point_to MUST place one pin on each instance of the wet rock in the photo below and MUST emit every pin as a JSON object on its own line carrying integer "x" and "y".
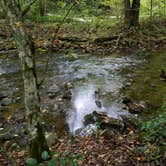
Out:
{"x": 98, "y": 103}
{"x": 63, "y": 91}
{"x": 103, "y": 120}
{"x": 163, "y": 75}
{"x": 130, "y": 121}
{"x": 53, "y": 91}
{"x": 133, "y": 109}
{"x": 6, "y": 137}
{"x": 56, "y": 107}
{"x": 90, "y": 118}
{"x": 67, "y": 93}
{"x": 142, "y": 105}
{"x": 2, "y": 96}
{"x": 1, "y": 129}
{"x": 51, "y": 139}
{"x": 71, "y": 56}
{"x": 97, "y": 93}
{"x": 5, "y": 101}
{"x": 126, "y": 100}
{"x": 87, "y": 130}
{"x": 128, "y": 84}
{"x": 131, "y": 106}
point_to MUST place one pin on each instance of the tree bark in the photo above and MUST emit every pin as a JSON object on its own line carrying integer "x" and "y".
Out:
{"x": 135, "y": 13}
{"x": 42, "y": 7}
{"x": 132, "y": 12}
{"x": 127, "y": 11}
{"x": 151, "y": 9}
{"x": 37, "y": 141}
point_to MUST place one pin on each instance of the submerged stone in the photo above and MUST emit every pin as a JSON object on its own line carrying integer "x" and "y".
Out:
{"x": 98, "y": 103}
{"x": 87, "y": 130}
{"x": 5, "y": 101}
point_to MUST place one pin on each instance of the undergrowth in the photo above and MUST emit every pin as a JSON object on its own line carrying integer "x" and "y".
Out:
{"x": 153, "y": 137}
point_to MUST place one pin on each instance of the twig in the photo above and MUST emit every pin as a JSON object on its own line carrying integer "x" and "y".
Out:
{"x": 117, "y": 42}
{"x": 59, "y": 26}
{"x": 54, "y": 38}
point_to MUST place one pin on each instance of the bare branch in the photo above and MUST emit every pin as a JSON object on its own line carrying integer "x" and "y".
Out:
{"x": 54, "y": 38}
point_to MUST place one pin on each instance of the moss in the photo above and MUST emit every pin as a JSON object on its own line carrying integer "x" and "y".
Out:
{"x": 147, "y": 85}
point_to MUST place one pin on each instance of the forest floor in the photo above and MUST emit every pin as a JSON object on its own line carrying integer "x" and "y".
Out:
{"x": 149, "y": 37}
{"x": 116, "y": 148}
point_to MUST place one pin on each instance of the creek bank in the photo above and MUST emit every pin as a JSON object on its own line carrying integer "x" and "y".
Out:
{"x": 119, "y": 40}
{"x": 115, "y": 143}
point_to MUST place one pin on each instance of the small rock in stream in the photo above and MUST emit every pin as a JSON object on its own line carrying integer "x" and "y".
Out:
{"x": 98, "y": 103}
{"x": 126, "y": 100}
{"x": 6, "y": 137}
{"x": 2, "y": 96}
{"x": 51, "y": 138}
{"x": 5, "y": 101}
{"x": 53, "y": 91}
{"x": 87, "y": 130}
{"x": 131, "y": 106}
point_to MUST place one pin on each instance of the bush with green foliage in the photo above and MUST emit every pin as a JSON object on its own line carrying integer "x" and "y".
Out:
{"x": 65, "y": 158}
{"x": 153, "y": 135}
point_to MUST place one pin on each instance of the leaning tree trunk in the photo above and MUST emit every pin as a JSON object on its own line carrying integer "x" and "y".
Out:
{"x": 37, "y": 141}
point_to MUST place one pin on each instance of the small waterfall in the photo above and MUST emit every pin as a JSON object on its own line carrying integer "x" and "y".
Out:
{"x": 83, "y": 104}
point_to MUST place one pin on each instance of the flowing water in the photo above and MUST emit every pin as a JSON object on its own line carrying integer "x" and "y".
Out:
{"x": 86, "y": 73}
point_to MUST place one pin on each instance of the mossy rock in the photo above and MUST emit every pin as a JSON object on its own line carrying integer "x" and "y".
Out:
{"x": 103, "y": 120}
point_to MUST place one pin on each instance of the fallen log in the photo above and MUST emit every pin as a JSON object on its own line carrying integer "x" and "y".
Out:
{"x": 104, "y": 39}
{"x": 72, "y": 39}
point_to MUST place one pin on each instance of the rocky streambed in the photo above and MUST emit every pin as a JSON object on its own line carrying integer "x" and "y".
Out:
{"x": 76, "y": 86}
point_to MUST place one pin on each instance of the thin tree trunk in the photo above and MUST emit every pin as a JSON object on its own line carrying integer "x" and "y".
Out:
{"x": 37, "y": 141}
{"x": 42, "y": 7}
{"x": 132, "y": 12}
{"x": 151, "y": 9}
{"x": 127, "y": 11}
{"x": 135, "y": 13}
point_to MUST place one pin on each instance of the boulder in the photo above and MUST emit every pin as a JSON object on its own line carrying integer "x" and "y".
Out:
{"x": 132, "y": 107}
{"x": 51, "y": 139}
{"x": 103, "y": 121}
{"x": 130, "y": 121}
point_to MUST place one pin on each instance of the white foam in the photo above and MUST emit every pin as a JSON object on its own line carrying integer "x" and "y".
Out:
{"x": 83, "y": 104}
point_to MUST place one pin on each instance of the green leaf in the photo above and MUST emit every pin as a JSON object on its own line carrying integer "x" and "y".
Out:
{"x": 63, "y": 162}
{"x": 52, "y": 162}
{"x": 75, "y": 163}
{"x": 41, "y": 164}
{"x": 44, "y": 155}
{"x": 31, "y": 162}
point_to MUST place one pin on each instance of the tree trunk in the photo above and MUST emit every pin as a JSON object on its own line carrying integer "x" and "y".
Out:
{"x": 151, "y": 9}
{"x": 135, "y": 13}
{"x": 42, "y": 7}
{"x": 132, "y": 12}
{"x": 37, "y": 141}
{"x": 127, "y": 11}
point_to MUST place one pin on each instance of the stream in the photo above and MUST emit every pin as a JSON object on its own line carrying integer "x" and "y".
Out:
{"x": 86, "y": 74}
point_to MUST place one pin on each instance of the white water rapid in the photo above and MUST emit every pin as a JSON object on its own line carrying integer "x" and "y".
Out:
{"x": 83, "y": 103}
